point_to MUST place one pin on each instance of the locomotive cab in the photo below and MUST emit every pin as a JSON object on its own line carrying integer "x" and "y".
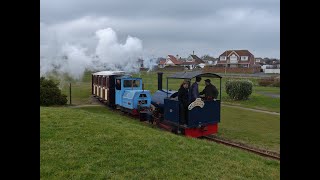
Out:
{"x": 130, "y": 95}
{"x": 126, "y": 83}
{"x": 202, "y": 116}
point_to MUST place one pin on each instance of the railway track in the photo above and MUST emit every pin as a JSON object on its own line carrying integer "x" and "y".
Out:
{"x": 261, "y": 152}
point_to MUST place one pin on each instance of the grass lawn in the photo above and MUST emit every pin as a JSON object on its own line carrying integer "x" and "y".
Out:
{"x": 81, "y": 91}
{"x": 255, "y": 128}
{"x": 95, "y": 143}
{"x": 256, "y": 101}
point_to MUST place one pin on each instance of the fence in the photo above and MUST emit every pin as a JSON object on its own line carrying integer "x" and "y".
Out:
{"x": 232, "y": 70}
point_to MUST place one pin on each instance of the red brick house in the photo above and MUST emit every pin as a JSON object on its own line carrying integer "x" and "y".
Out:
{"x": 237, "y": 59}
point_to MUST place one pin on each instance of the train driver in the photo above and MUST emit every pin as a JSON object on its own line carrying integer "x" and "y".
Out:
{"x": 118, "y": 84}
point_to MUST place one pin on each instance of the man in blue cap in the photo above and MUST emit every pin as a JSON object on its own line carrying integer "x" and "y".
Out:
{"x": 210, "y": 91}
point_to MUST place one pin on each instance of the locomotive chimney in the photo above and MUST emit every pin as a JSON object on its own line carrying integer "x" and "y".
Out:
{"x": 160, "y": 80}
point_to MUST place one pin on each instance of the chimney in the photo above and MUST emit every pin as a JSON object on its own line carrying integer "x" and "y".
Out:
{"x": 192, "y": 52}
{"x": 160, "y": 80}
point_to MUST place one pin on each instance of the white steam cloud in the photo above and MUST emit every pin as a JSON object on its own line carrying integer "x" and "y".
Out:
{"x": 85, "y": 43}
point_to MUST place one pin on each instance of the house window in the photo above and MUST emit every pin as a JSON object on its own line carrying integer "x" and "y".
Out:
{"x": 245, "y": 58}
{"x": 223, "y": 58}
{"x": 233, "y": 59}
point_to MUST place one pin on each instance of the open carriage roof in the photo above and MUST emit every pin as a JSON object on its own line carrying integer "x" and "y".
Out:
{"x": 192, "y": 74}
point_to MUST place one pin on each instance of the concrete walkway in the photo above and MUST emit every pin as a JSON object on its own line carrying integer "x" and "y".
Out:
{"x": 273, "y": 95}
{"x": 85, "y": 105}
{"x": 250, "y": 109}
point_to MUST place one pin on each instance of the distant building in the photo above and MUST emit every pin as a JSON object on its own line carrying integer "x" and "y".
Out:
{"x": 191, "y": 62}
{"x": 169, "y": 61}
{"x": 237, "y": 58}
{"x": 259, "y": 60}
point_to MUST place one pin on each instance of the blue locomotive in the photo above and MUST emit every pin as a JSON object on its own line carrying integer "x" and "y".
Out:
{"x": 130, "y": 96}
{"x": 122, "y": 91}
{"x": 162, "y": 108}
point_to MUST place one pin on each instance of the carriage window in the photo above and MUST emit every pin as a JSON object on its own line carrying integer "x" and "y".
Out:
{"x": 104, "y": 81}
{"x": 131, "y": 83}
{"x": 135, "y": 83}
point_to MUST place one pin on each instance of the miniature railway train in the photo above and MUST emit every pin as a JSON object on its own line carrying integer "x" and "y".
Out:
{"x": 121, "y": 91}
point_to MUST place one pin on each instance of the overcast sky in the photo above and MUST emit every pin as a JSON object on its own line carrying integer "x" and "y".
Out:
{"x": 172, "y": 26}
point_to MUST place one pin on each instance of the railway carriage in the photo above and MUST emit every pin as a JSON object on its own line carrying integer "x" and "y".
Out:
{"x": 103, "y": 86}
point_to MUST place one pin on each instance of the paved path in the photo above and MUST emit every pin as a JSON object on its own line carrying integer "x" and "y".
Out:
{"x": 85, "y": 105}
{"x": 250, "y": 109}
{"x": 273, "y": 95}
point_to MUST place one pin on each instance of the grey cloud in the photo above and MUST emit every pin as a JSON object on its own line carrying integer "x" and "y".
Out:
{"x": 173, "y": 27}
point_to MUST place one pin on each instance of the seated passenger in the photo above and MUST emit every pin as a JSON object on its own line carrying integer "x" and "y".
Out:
{"x": 134, "y": 84}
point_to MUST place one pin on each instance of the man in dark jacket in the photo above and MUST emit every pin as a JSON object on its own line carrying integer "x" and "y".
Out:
{"x": 118, "y": 84}
{"x": 183, "y": 97}
{"x": 195, "y": 89}
{"x": 210, "y": 91}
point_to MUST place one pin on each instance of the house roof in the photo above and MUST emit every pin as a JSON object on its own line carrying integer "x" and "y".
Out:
{"x": 188, "y": 63}
{"x": 239, "y": 52}
{"x": 174, "y": 60}
{"x": 224, "y": 62}
{"x": 197, "y": 59}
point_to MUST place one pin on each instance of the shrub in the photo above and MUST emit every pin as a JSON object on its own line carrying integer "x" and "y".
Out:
{"x": 276, "y": 83}
{"x": 50, "y": 94}
{"x": 269, "y": 82}
{"x": 239, "y": 89}
{"x": 265, "y": 82}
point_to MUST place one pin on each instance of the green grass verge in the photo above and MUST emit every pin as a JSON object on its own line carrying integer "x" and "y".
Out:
{"x": 254, "y": 128}
{"x": 95, "y": 143}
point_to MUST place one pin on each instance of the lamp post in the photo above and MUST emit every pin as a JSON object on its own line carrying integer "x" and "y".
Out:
{"x": 225, "y": 68}
{"x": 70, "y": 93}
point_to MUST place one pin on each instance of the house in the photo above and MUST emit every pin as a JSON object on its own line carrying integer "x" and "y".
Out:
{"x": 196, "y": 59}
{"x": 237, "y": 58}
{"x": 193, "y": 61}
{"x": 259, "y": 60}
{"x": 169, "y": 61}
{"x": 189, "y": 64}
{"x": 162, "y": 63}
{"x": 271, "y": 69}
